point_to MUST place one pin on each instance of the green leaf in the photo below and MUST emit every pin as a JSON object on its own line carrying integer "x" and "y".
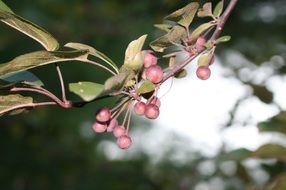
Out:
{"x": 164, "y": 27}
{"x": 133, "y": 57}
{"x": 185, "y": 15}
{"x": 236, "y": 155}
{"x": 199, "y": 30}
{"x": 39, "y": 58}
{"x": 146, "y": 86}
{"x": 262, "y": 93}
{"x": 13, "y": 104}
{"x": 269, "y": 151}
{"x": 223, "y": 39}
{"x": 86, "y": 90}
{"x": 23, "y": 76}
{"x": 116, "y": 83}
{"x": 206, "y": 11}
{"x": 4, "y": 7}
{"x": 181, "y": 74}
{"x": 176, "y": 34}
{"x": 275, "y": 124}
{"x": 218, "y": 9}
{"x": 30, "y": 29}
{"x": 92, "y": 51}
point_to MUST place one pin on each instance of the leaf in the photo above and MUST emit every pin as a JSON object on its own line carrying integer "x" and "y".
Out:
{"x": 86, "y": 90}
{"x": 270, "y": 151}
{"x": 39, "y": 58}
{"x": 133, "y": 52}
{"x": 146, "y": 86}
{"x": 23, "y": 76}
{"x": 176, "y": 34}
{"x": 185, "y": 15}
{"x": 218, "y": 9}
{"x": 205, "y": 59}
{"x": 181, "y": 74}
{"x": 116, "y": 83}
{"x": 164, "y": 27}
{"x": 30, "y": 29}
{"x": 275, "y": 124}
{"x": 13, "y": 104}
{"x": 4, "y": 7}
{"x": 199, "y": 30}
{"x": 262, "y": 93}
{"x": 206, "y": 10}
{"x": 92, "y": 51}
{"x": 278, "y": 183}
{"x": 236, "y": 155}
{"x": 223, "y": 39}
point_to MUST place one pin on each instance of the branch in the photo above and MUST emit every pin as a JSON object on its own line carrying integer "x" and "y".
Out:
{"x": 221, "y": 22}
{"x": 29, "y": 105}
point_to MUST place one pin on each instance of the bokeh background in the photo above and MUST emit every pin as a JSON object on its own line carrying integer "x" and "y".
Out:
{"x": 208, "y": 134}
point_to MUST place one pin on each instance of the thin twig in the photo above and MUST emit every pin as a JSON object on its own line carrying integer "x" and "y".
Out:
{"x": 28, "y": 105}
{"x": 99, "y": 65}
{"x": 62, "y": 83}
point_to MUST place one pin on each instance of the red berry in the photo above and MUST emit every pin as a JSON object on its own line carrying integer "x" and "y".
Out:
{"x": 149, "y": 58}
{"x": 152, "y": 111}
{"x": 139, "y": 108}
{"x": 99, "y": 127}
{"x": 124, "y": 142}
{"x": 199, "y": 43}
{"x": 119, "y": 131}
{"x": 154, "y": 74}
{"x": 155, "y": 100}
{"x": 203, "y": 72}
{"x": 103, "y": 115}
{"x": 112, "y": 124}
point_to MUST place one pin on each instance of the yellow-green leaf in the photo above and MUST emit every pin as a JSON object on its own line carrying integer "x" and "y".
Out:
{"x": 4, "y": 7}
{"x": 206, "y": 10}
{"x": 40, "y": 58}
{"x": 199, "y": 30}
{"x": 146, "y": 86}
{"x": 13, "y": 104}
{"x": 218, "y": 9}
{"x": 30, "y": 29}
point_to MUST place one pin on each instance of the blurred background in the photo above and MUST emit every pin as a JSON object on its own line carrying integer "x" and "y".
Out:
{"x": 227, "y": 133}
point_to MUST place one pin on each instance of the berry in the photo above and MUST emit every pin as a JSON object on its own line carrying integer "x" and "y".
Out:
{"x": 152, "y": 111}
{"x": 203, "y": 72}
{"x": 119, "y": 131}
{"x": 155, "y": 100}
{"x": 154, "y": 74}
{"x": 139, "y": 108}
{"x": 99, "y": 127}
{"x": 103, "y": 115}
{"x": 199, "y": 43}
{"x": 112, "y": 124}
{"x": 124, "y": 142}
{"x": 149, "y": 58}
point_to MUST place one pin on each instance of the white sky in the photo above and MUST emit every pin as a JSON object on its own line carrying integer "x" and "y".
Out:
{"x": 194, "y": 112}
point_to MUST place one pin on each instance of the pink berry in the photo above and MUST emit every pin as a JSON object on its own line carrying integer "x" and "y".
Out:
{"x": 103, "y": 115}
{"x": 139, "y": 108}
{"x": 149, "y": 58}
{"x": 99, "y": 127}
{"x": 199, "y": 43}
{"x": 154, "y": 74}
{"x": 155, "y": 100}
{"x": 152, "y": 111}
{"x": 112, "y": 124}
{"x": 124, "y": 142}
{"x": 119, "y": 131}
{"x": 203, "y": 72}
